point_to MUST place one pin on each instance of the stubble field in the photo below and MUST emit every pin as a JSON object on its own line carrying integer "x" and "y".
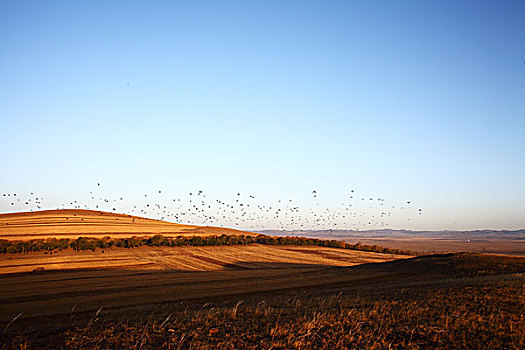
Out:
{"x": 257, "y": 296}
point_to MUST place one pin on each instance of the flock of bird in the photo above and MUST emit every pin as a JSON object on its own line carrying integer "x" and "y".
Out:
{"x": 241, "y": 210}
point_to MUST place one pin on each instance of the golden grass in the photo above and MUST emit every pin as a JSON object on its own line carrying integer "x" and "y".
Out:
{"x": 426, "y": 318}
{"x": 189, "y": 258}
{"x": 467, "y": 301}
{"x": 72, "y": 223}
{"x": 252, "y": 296}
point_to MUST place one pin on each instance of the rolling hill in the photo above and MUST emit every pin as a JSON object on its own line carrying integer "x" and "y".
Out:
{"x": 203, "y": 297}
{"x": 71, "y": 223}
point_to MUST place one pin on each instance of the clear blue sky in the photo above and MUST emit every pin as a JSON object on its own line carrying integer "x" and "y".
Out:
{"x": 403, "y": 100}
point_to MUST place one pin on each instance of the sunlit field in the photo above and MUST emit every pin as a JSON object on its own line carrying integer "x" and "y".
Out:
{"x": 443, "y": 301}
{"x": 264, "y": 175}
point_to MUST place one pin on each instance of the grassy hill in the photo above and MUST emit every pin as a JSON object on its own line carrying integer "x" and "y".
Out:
{"x": 71, "y": 223}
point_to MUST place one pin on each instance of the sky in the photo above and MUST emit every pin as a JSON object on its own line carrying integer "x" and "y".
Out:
{"x": 400, "y": 101}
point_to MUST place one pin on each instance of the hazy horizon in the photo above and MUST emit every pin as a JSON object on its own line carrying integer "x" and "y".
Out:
{"x": 400, "y": 102}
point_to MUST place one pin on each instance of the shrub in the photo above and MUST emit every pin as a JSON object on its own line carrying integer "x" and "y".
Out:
{"x": 86, "y": 243}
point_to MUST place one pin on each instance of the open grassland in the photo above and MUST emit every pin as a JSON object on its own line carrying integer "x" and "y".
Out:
{"x": 71, "y": 223}
{"x": 207, "y": 258}
{"x": 153, "y": 284}
{"x": 468, "y": 301}
{"x": 431, "y": 245}
{"x": 426, "y": 242}
{"x": 431, "y": 242}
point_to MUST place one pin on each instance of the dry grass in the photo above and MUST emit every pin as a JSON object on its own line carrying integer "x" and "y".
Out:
{"x": 122, "y": 277}
{"x": 450, "y": 301}
{"x": 71, "y": 223}
{"x": 431, "y": 244}
{"x": 207, "y": 258}
{"x": 255, "y": 296}
{"x": 435, "y": 318}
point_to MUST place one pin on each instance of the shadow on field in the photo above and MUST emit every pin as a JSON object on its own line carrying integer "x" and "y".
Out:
{"x": 56, "y": 299}
{"x": 451, "y": 264}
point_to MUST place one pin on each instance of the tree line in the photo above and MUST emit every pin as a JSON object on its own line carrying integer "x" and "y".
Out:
{"x": 90, "y": 243}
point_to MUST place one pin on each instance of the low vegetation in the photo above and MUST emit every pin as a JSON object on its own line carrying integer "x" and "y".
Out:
{"x": 447, "y": 317}
{"x": 452, "y": 301}
{"x": 89, "y": 243}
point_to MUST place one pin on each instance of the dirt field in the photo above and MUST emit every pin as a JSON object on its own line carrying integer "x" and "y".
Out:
{"x": 71, "y": 223}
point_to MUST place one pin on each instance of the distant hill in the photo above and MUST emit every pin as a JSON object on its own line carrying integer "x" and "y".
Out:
{"x": 388, "y": 233}
{"x": 481, "y": 241}
{"x": 71, "y": 223}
